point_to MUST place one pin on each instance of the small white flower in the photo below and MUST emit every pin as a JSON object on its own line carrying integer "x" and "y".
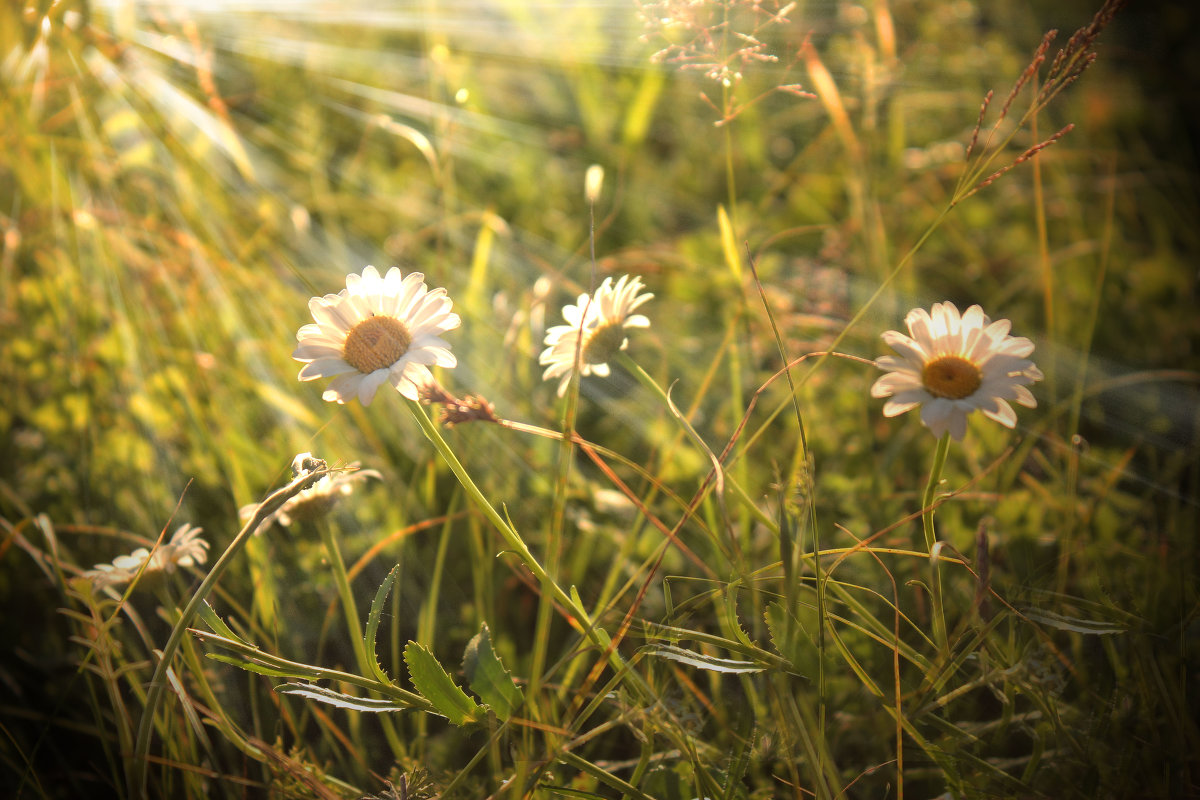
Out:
{"x": 377, "y": 330}
{"x": 185, "y": 549}
{"x": 317, "y": 500}
{"x": 952, "y": 365}
{"x": 601, "y": 321}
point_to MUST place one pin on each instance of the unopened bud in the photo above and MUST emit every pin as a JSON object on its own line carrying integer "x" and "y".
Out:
{"x": 592, "y": 182}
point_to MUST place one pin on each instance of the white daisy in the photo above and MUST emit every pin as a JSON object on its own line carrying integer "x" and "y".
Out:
{"x": 952, "y": 365}
{"x": 601, "y": 321}
{"x": 375, "y": 331}
{"x": 185, "y": 549}
{"x": 317, "y": 500}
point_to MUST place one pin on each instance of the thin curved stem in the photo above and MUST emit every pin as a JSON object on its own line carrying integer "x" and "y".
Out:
{"x": 932, "y": 544}
{"x": 158, "y": 682}
{"x": 595, "y": 634}
{"x": 935, "y": 477}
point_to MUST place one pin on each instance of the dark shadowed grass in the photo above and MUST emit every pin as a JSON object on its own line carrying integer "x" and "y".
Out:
{"x": 633, "y": 581}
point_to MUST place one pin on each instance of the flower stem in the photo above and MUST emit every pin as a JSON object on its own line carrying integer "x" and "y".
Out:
{"x": 345, "y": 595}
{"x": 515, "y": 543}
{"x": 353, "y": 627}
{"x": 932, "y": 544}
{"x": 935, "y": 477}
{"x": 644, "y": 378}
{"x": 137, "y": 768}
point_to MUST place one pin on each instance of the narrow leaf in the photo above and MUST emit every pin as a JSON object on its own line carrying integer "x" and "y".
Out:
{"x": 1073, "y": 624}
{"x": 858, "y": 669}
{"x": 733, "y": 257}
{"x": 310, "y": 691}
{"x": 251, "y": 666}
{"x": 711, "y": 663}
{"x": 487, "y": 676}
{"x": 435, "y": 684}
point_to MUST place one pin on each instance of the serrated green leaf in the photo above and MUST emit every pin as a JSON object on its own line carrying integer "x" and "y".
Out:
{"x": 777, "y": 627}
{"x": 373, "y": 625}
{"x": 699, "y": 660}
{"x": 311, "y": 691}
{"x": 215, "y": 623}
{"x": 732, "y": 623}
{"x": 487, "y": 676}
{"x": 435, "y": 685}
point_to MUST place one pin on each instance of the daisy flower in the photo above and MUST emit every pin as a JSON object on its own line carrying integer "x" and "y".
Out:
{"x": 951, "y": 365}
{"x": 377, "y": 330}
{"x": 317, "y": 500}
{"x": 185, "y": 549}
{"x": 595, "y": 326}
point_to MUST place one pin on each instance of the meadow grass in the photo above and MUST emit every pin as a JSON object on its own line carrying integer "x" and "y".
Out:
{"x": 712, "y": 568}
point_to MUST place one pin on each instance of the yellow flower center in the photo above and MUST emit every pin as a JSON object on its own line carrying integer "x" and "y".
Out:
{"x": 375, "y": 343}
{"x": 603, "y": 344}
{"x": 953, "y": 377}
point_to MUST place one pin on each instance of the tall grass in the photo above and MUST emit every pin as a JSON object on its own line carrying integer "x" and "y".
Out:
{"x": 718, "y": 571}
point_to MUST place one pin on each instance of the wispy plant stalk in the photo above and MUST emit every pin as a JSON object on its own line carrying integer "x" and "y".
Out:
{"x": 137, "y": 769}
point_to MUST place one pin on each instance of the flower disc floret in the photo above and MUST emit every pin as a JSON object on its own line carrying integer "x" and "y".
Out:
{"x": 379, "y": 329}
{"x": 951, "y": 365}
{"x": 604, "y": 343}
{"x": 951, "y": 376}
{"x": 376, "y": 343}
{"x": 596, "y": 329}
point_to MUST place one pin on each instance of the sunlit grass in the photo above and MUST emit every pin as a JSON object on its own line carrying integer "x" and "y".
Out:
{"x": 702, "y": 575}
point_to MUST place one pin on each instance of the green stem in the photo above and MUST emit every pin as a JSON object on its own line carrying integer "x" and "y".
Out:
{"x": 513, "y": 540}
{"x": 644, "y": 378}
{"x": 935, "y": 477}
{"x": 158, "y": 682}
{"x": 350, "y": 611}
{"x": 342, "y": 582}
{"x": 931, "y": 543}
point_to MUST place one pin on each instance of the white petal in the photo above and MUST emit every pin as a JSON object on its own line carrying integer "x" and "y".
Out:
{"x": 343, "y": 387}
{"x": 555, "y": 369}
{"x": 974, "y": 319}
{"x": 427, "y": 314}
{"x": 897, "y": 364}
{"x": 370, "y": 384}
{"x": 324, "y": 368}
{"x": 410, "y": 291}
{"x": 1001, "y": 412}
{"x": 998, "y": 329}
{"x": 339, "y": 316}
{"x": 893, "y": 408}
{"x": 909, "y": 349}
{"x": 311, "y": 351}
{"x": 1024, "y": 396}
{"x": 411, "y": 381}
{"x": 314, "y": 331}
{"x": 913, "y": 396}
{"x": 940, "y": 415}
{"x": 1016, "y": 346}
{"x": 893, "y": 382}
